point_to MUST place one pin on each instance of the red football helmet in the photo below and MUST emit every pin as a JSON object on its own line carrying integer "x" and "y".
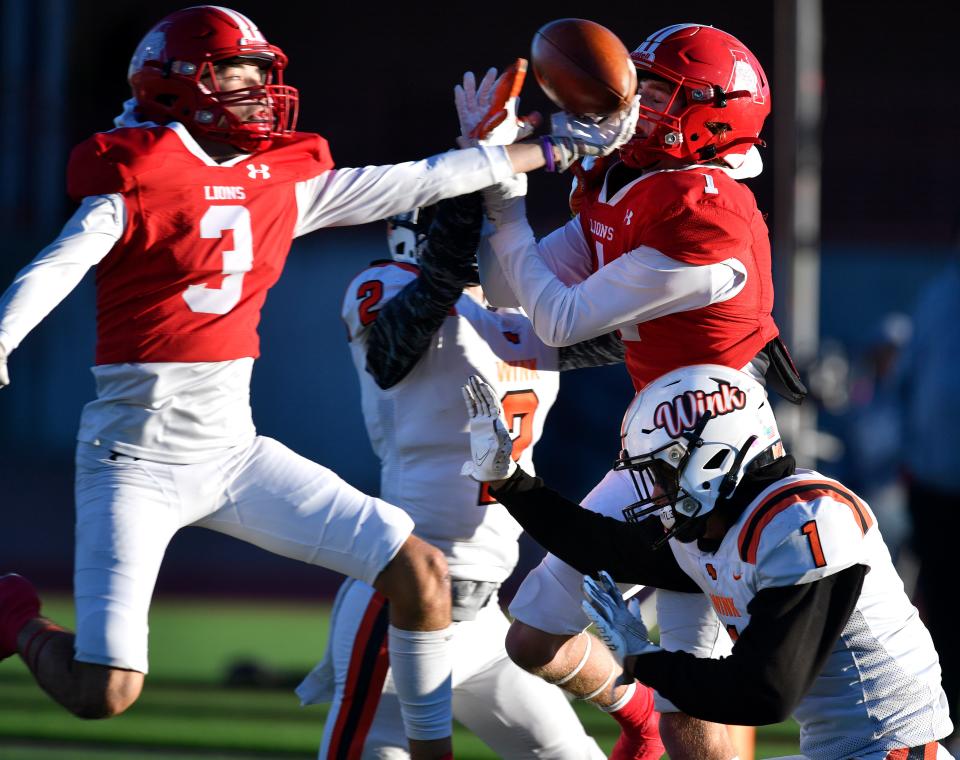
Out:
{"x": 725, "y": 94}
{"x": 166, "y": 71}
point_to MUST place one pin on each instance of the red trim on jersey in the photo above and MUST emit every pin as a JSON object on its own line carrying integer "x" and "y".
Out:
{"x": 926, "y": 751}
{"x": 783, "y": 498}
{"x": 365, "y": 676}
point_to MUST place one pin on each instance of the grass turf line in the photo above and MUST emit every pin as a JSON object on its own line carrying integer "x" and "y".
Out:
{"x": 187, "y": 712}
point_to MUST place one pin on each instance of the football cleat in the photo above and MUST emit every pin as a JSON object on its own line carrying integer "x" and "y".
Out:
{"x": 19, "y": 604}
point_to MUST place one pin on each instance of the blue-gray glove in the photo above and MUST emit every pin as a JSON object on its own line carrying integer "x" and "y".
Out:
{"x": 623, "y": 632}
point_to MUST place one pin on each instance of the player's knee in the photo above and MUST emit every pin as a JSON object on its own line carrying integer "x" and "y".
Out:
{"x": 106, "y": 693}
{"x": 530, "y": 648}
{"x": 417, "y": 579}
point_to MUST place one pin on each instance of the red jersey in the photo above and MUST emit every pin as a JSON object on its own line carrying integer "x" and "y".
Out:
{"x": 202, "y": 245}
{"x": 696, "y": 216}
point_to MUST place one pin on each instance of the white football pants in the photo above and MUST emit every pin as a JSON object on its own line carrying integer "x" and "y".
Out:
{"x": 516, "y": 714}
{"x": 128, "y": 510}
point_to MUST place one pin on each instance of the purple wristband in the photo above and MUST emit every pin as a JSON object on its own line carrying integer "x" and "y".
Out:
{"x": 546, "y": 145}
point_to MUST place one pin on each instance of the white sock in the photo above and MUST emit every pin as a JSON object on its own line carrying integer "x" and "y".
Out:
{"x": 421, "y": 665}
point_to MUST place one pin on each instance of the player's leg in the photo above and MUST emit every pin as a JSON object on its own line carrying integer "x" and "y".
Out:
{"x": 687, "y": 622}
{"x": 124, "y": 522}
{"x": 291, "y": 506}
{"x": 548, "y": 639}
{"x": 515, "y": 713}
{"x": 364, "y": 720}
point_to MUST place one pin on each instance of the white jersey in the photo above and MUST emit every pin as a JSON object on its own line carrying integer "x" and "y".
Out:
{"x": 880, "y": 687}
{"x": 418, "y": 428}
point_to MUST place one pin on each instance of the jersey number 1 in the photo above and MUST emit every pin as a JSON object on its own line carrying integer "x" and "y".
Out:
{"x": 215, "y": 221}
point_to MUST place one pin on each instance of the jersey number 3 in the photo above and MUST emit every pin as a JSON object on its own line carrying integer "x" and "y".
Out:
{"x": 518, "y": 410}
{"x": 237, "y": 262}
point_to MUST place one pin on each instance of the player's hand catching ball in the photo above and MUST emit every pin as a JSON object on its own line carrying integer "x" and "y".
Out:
{"x": 490, "y": 443}
{"x": 623, "y": 632}
{"x": 576, "y": 137}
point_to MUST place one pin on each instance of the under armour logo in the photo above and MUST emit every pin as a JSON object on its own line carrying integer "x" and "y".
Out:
{"x": 253, "y": 172}
{"x": 628, "y": 218}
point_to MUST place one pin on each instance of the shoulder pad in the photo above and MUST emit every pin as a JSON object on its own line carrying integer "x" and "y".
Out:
{"x": 803, "y": 531}
{"x": 307, "y": 151}
{"x": 108, "y": 161}
{"x": 369, "y": 290}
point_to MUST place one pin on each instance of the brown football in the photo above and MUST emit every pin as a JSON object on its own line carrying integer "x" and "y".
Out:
{"x": 583, "y": 67}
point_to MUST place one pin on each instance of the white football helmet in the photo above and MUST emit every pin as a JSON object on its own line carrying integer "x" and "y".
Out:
{"x": 688, "y": 438}
{"x": 407, "y": 233}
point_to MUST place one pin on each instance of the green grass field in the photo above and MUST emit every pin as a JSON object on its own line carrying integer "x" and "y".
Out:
{"x": 188, "y": 711}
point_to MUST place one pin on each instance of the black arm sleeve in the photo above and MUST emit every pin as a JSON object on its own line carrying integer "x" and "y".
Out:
{"x": 596, "y": 352}
{"x": 406, "y": 324}
{"x": 591, "y": 542}
{"x": 774, "y": 662}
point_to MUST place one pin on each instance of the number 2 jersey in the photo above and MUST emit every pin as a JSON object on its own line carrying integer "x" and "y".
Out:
{"x": 418, "y": 427}
{"x": 186, "y": 250}
{"x": 880, "y": 686}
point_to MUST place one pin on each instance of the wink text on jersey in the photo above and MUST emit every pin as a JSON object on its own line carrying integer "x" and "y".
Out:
{"x": 517, "y": 370}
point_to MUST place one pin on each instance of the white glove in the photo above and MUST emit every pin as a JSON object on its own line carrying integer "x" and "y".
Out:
{"x": 488, "y": 112}
{"x": 623, "y": 633}
{"x": 576, "y": 137}
{"x": 490, "y": 443}
{"x": 4, "y": 374}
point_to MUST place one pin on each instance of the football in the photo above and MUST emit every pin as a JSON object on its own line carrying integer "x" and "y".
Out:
{"x": 583, "y": 67}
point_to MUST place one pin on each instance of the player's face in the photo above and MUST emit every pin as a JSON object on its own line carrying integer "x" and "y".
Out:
{"x": 656, "y": 95}
{"x": 239, "y": 75}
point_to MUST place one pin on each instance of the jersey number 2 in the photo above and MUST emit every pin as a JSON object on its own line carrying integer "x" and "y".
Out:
{"x": 237, "y": 262}
{"x": 518, "y": 410}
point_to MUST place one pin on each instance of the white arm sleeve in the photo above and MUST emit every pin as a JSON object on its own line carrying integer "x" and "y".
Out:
{"x": 564, "y": 251}
{"x": 640, "y": 285}
{"x": 341, "y": 197}
{"x": 83, "y": 242}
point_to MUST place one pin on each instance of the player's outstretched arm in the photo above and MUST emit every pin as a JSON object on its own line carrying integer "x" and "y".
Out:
{"x": 39, "y": 287}
{"x": 775, "y": 660}
{"x": 405, "y": 325}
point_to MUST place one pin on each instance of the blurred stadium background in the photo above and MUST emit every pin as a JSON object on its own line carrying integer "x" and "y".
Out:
{"x": 860, "y": 187}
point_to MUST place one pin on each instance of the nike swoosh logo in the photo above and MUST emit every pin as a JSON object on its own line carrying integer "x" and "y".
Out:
{"x": 480, "y": 460}
{"x": 737, "y": 577}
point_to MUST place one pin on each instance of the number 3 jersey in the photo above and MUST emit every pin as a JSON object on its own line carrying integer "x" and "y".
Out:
{"x": 183, "y": 284}
{"x": 418, "y": 427}
{"x": 880, "y": 686}
{"x": 186, "y": 250}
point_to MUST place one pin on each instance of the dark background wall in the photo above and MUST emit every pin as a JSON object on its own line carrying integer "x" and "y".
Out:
{"x": 377, "y": 80}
